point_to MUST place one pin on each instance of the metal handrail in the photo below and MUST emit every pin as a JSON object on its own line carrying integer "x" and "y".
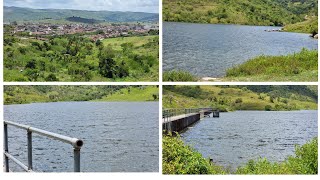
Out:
{"x": 76, "y": 143}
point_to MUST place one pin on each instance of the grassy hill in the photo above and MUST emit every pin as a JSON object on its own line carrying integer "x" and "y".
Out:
{"x": 78, "y": 58}
{"x": 27, "y": 14}
{"x": 229, "y": 98}
{"x": 247, "y": 12}
{"x": 83, "y": 20}
{"x": 144, "y": 93}
{"x": 308, "y": 26}
{"x": 30, "y": 94}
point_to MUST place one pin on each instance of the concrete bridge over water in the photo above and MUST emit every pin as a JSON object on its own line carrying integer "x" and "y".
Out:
{"x": 176, "y": 120}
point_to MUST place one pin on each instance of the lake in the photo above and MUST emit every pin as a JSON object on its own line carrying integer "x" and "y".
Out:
{"x": 118, "y": 136}
{"x": 207, "y": 50}
{"x": 236, "y": 137}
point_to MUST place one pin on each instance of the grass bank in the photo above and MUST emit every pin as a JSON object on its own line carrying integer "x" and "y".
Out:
{"x": 178, "y": 76}
{"x": 231, "y": 98}
{"x": 301, "y": 66}
{"x": 298, "y": 67}
{"x": 308, "y": 26}
{"x": 37, "y": 94}
{"x": 178, "y": 158}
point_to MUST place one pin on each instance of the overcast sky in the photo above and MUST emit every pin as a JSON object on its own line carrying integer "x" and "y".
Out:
{"x": 95, "y": 5}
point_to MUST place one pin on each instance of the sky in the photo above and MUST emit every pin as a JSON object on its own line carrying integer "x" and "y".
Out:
{"x": 94, "y": 5}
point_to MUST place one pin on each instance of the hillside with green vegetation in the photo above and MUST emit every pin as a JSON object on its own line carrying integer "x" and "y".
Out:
{"x": 308, "y": 26}
{"x": 178, "y": 158}
{"x": 301, "y": 66}
{"x": 230, "y": 98}
{"x": 20, "y": 14}
{"x": 134, "y": 94}
{"x": 33, "y": 94}
{"x": 245, "y": 12}
{"x": 78, "y": 58}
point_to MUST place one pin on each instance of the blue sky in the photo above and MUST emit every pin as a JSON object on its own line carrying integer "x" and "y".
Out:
{"x": 95, "y": 5}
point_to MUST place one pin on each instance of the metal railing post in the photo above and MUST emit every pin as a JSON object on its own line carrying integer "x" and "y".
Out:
{"x": 76, "y": 154}
{"x": 29, "y": 134}
{"x": 6, "y": 147}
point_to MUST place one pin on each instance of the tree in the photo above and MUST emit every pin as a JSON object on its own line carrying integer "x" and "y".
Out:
{"x": 31, "y": 64}
{"x": 268, "y": 108}
{"x": 239, "y": 100}
{"x": 32, "y": 74}
{"x": 53, "y": 96}
{"x": 98, "y": 43}
{"x": 107, "y": 67}
{"x": 51, "y": 77}
{"x": 122, "y": 70}
{"x": 155, "y": 97}
{"x": 170, "y": 99}
{"x": 271, "y": 99}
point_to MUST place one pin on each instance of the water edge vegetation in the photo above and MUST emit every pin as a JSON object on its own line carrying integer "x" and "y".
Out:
{"x": 178, "y": 158}
{"x": 33, "y": 94}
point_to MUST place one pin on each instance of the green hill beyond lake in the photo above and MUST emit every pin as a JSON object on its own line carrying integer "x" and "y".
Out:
{"x": 246, "y": 12}
{"x": 27, "y": 14}
{"x": 230, "y": 98}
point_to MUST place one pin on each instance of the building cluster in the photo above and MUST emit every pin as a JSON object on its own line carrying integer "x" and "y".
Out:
{"x": 94, "y": 31}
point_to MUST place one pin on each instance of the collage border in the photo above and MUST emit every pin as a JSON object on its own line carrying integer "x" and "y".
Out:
{"x": 160, "y": 83}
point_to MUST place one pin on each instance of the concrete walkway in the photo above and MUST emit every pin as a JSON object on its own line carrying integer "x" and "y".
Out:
{"x": 173, "y": 118}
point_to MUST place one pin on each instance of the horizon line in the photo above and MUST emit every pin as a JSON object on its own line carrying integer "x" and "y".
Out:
{"x": 80, "y": 9}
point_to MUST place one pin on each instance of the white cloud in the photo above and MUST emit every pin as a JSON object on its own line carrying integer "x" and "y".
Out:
{"x": 95, "y": 5}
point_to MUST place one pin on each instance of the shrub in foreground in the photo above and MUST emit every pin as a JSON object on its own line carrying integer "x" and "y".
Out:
{"x": 178, "y": 158}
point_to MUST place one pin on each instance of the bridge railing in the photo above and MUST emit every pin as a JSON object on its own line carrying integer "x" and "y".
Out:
{"x": 180, "y": 111}
{"x": 76, "y": 144}
{"x": 176, "y": 112}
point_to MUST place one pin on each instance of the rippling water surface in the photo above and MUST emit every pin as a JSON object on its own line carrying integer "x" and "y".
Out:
{"x": 237, "y": 137}
{"x": 118, "y": 136}
{"x": 210, "y": 49}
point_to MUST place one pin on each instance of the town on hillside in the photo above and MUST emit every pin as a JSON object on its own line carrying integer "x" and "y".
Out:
{"x": 93, "y": 31}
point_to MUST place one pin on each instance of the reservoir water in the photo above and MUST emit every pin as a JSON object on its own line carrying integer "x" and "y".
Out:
{"x": 118, "y": 136}
{"x": 210, "y": 49}
{"x": 236, "y": 137}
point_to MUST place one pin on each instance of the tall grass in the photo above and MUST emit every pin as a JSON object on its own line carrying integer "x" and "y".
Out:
{"x": 275, "y": 66}
{"x": 179, "y": 76}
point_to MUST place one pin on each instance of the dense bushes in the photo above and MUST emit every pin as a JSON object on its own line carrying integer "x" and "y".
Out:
{"x": 178, "y": 158}
{"x": 77, "y": 58}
